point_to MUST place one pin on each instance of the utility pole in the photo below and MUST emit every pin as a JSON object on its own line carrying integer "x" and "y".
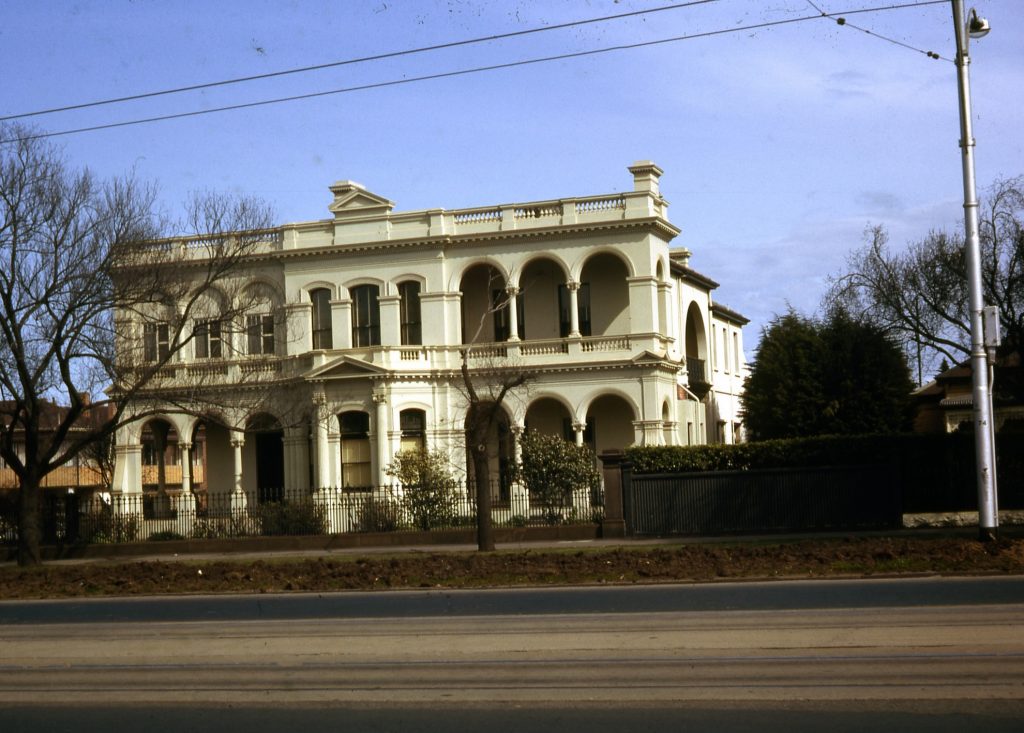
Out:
{"x": 984, "y": 445}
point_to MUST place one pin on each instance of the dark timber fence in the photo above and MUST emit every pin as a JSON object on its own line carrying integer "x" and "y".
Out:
{"x": 919, "y": 475}
{"x": 790, "y": 499}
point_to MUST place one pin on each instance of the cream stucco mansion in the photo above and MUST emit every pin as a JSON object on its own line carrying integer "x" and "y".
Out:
{"x": 353, "y": 347}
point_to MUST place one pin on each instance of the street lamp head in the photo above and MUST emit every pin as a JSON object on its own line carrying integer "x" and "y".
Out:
{"x": 977, "y": 27}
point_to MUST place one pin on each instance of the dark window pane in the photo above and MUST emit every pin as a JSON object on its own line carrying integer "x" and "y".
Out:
{"x": 412, "y": 329}
{"x": 322, "y": 337}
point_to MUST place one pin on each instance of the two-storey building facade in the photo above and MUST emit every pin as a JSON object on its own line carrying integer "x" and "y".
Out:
{"x": 353, "y": 346}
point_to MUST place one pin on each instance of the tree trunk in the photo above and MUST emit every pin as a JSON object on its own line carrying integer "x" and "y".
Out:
{"x": 29, "y": 531}
{"x": 482, "y": 476}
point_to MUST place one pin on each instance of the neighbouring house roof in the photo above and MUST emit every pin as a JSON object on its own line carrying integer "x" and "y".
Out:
{"x": 53, "y": 414}
{"x": 952, "y": 390}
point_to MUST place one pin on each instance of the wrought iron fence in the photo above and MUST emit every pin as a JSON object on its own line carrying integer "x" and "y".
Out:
{"x": 98, "y": 517}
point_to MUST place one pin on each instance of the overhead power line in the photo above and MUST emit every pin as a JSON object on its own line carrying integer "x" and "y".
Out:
{"x": 348, "y": 62}
{"x": 842, "y": 21}
{"x": 461, "y": 72}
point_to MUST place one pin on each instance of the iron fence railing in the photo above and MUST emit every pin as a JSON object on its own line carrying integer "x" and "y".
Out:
{"x": 101, "y": 517}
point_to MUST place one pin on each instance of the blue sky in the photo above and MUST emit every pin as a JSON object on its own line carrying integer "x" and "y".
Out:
{"x": 780, "y": 145}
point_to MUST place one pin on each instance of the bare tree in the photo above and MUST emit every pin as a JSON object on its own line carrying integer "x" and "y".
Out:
{"x": 486, "y": 383}
{"x": 95, "y": 303}
{"x": 919, "y": 295}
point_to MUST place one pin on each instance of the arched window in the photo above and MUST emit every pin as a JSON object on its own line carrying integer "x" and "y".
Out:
{"x": 355, "y": 449}
{"x": 365, "y": 315}
{"x": 321, "y": 298}
{"x": 414, "y": 427}
{"x": 412, "y": 327}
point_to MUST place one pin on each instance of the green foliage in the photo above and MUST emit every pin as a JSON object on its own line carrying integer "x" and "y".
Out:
{"x": 552, "y": 469}
{"x": 838, "y": 376}
{"x": 429, "y": 491}
{"x": 292, "y": 518}
{"x": 792, "y": 453}
{"x": 104, "y": 525}
{"x": 378, "y": 515}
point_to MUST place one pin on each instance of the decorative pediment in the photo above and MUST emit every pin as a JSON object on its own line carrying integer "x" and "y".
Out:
{"x": 351, "y": 199}
{"x": 345, "y": 367}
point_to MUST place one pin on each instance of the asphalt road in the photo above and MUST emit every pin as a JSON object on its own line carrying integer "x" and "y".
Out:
{"x": 771, "y": 596}
{"x": 923, "y": 654}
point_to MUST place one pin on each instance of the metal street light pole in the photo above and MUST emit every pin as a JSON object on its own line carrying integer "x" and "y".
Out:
{"x": 984, "y": 446}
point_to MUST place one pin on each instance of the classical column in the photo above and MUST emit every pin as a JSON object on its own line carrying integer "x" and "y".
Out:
{"x": 513, "y": 312}
{"x": 577, "y": 430}
{"x": 383, "y": 447}
{"x": 573, "y": 287}
{"x": 186, "y": 467}
{"x": 186, "y": 500}
{"x": 238, "y": 497}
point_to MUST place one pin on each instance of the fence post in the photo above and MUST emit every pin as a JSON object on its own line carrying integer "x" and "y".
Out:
{"x": 613, "y": 463}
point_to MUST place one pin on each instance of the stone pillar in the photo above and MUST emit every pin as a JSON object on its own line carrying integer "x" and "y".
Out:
{"x": 573, "y": 287}
{"x": 666, "y": 324}
{"x": 127, "y": 468}
{"x": 577, "y": 431}
{"x": 383, "y": 445}
{"x": 186, "y": 504}
{"x": 296, "y": 458}
{"x": 298, "y": 336}
{"x": 390, "y": 320}
{"x": 652, "y": 432}
{"x": 341, "y": 323}
{"x": 643, "y": 305}
{"x": 513, "y": 312}
{"x": 186, "y": 467}
{"x": 615, "y": 472}
{"x": 239, "y": 500}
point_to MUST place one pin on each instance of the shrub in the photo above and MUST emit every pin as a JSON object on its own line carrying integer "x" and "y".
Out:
{"x": 103, "y": 525}
{"x": 165, "y": 536}
{"x": 789, "y": 453}
{"x": 552, "y": 469}
{"x": 429, "y": 491}
{"x": 292, "y": 518}
{"x": 378, "y": 515}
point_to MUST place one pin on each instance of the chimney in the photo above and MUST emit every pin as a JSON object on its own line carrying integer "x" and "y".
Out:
{"x": 645, "y": 177}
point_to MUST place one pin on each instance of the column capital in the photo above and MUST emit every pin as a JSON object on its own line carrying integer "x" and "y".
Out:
{"x": 572, "y": 285}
